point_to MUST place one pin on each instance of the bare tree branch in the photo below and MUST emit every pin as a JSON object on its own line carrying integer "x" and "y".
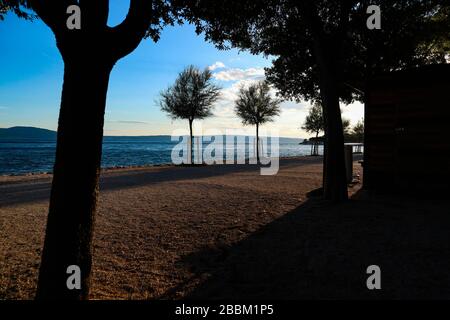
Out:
{"x": 52, "y": 13}
{"x": 127, "y": 35}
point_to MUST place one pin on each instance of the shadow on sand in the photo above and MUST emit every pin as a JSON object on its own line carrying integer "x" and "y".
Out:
{"x": 322, "y": 251}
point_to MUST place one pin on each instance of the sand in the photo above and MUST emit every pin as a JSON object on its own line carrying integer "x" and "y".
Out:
{"x": 228, "y": 232}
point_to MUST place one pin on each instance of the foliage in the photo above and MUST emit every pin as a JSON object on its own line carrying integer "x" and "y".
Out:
{"x": 314, "y": 123}
{"x": 346, "y": 126}
{"x": 358, "y": 131}
{"x": 255, "y": 105}
{"x": 153, "y": 15}
{"x": 413, "y": 33}
{"x": 192, "y": 96}
{"x": 19, "y": 7}
{"x": 314, "y": 120}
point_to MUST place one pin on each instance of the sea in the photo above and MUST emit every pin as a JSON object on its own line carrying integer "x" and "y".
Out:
{"x": 25, "y": 156}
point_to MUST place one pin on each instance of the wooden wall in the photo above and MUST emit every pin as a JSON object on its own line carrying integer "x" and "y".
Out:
{"x": 407, "y": 131}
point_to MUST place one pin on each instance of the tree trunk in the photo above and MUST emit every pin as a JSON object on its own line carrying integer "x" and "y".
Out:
{"x": 191, "y": 144}
{"x": 89, "y": 55}
{"x": 316, "y": 145}
{"x": 70, "y": 223}
{"x": 257, "y": 143}
{"x": 335, "y": 182}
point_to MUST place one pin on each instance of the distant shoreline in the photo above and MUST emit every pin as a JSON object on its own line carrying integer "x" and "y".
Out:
{"x": 36, "y": 134}
{"x": 26, "y": 157}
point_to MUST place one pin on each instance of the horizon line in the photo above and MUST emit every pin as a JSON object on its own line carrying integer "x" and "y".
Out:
{"x": 151, "y": 135}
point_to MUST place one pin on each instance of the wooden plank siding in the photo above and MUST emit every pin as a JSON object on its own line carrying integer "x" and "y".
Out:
{"x": 407, "y": 125}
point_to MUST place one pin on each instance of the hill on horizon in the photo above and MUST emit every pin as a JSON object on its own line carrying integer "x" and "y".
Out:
{"x": 24, "y": 132}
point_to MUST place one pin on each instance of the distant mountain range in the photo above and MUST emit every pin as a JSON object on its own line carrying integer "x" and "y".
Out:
{"x": 32, "y": 133}
{"x": 27, "y": 133}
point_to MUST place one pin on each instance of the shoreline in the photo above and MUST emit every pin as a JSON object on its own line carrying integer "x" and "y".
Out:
{"x": 147, "y": 166}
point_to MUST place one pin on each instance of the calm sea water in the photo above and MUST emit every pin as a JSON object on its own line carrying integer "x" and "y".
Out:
{"x": 32, "y": 156}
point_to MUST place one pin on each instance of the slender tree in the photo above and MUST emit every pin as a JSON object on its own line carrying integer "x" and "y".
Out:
{"x": 314, "y": 124}
{"x": 191, "y": 97}
{"x": 89, "y": 54}
{"x": 358, "y": 131}
{"x": 346, "y": 127}
{"x": 255, "y": 106}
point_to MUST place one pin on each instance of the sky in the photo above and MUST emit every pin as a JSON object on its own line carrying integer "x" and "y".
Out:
{"x": 31, "y": 73}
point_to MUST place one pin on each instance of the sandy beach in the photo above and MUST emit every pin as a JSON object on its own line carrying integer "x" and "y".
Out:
{"x": 228, "y": 232}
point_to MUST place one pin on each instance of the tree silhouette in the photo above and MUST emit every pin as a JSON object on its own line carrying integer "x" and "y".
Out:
{"x": 191, "y": 97}
{"x": 346, "y": 127}
{"x": 255, "y": 106}
{"x": 16, "y": 6}
{"x": 314, "y": 124}
{"x": 358, "y": 131}
{"x": 325, "y": 51}
{"x": 89, "y": 55}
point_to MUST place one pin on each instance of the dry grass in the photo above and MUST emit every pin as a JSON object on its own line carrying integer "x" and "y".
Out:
{"x": 224, "y": 231}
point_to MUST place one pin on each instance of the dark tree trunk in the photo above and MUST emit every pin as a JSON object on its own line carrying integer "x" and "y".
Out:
{"x": 89, "y": 55}
{"x": 70, "y": 223}
{"x": 191, "y": 144}
{"x": 257, "y": 143}
{"x": 335, "y": 182}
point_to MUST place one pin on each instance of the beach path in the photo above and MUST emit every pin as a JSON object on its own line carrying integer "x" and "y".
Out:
{"x": 225, "y": 231}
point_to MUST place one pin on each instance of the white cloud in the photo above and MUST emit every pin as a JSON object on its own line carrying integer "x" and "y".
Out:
{"x": 288, "y": 123}
{"x": 230, "y": 94}
{"x": 292, "y": 114}
{"x": 216, "y": 65}
{"x": 239, "y": 74}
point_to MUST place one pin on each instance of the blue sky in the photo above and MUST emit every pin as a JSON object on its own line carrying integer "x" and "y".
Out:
{"x": 32, "y": 70}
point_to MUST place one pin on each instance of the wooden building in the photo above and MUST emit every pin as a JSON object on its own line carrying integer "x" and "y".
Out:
{"x": 407, "y": 131}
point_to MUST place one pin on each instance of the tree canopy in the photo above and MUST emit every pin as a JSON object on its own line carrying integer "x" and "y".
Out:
{"x": 314, "y": 120}
{"x": 314, "y": 123}
{"x": 255, "y": 105}
{"x": 357, "y": 134}
{"x": 413, "y": 33}
{"x": 192, "y": 96}
{"x": 145, "y": 19}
